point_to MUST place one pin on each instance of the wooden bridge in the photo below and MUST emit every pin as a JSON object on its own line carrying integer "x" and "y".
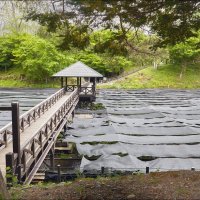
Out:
{"x": 26, "y": 141}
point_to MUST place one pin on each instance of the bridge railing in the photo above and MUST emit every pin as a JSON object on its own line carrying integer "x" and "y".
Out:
{"x": 87, "y": 90}
{"x": 71, "y": 88}
{"x": 83, "y": 90}
{"x": 36, "y": 144}
{"x": 29, "y": 117}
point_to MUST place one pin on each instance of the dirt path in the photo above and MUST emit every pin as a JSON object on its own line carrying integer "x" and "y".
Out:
{"x": 121, "y": 77}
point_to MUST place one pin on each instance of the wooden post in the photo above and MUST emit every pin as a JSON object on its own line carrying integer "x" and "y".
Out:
{"x": 147, "y": 170}
{"x": 73, "y": 114}
{"x": 80, "y": 81}
{"x": 78, "y": 84}
{"x": 59, "y": 174}
{"x": 9, "y": 168}
{"x": 61, "y": 82}
{"x": 19, "y": 173}
{"x": 5, "y": 137}
{"x": 16, "y": 131}
{"x": 65, "y": 128}
{"x": 102, "y": 170}
{"x": 95, "y": 80}
{"x": 77, "y": 81}
{"x": 94, "y": 87}
{"x": 52, "y": 157}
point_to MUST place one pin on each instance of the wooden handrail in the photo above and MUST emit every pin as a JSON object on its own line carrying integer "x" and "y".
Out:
{"x": 28, "y": 117}
{"x": 36, "y": 143}
{"x": 84, "y": 89}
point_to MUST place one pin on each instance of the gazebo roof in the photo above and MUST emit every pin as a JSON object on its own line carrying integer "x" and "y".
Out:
{"x": 78, "y": 69}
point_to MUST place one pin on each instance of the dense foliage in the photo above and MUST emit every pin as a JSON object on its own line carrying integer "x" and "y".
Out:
{"x": 7, "y": 45}
{"x": 186, "y": 53}
{"x": 37, "y": 58}
{"x": 107, "y": 41}
{"x": 108, "y": 35}
{"x": 174, "y": 21}
{"x": 109, "y": 66}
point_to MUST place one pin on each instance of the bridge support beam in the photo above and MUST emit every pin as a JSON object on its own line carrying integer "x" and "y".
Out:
{"x": 65, "y": 129}
{"x": 73, "y": 113}
{"x": 52, "y": 157}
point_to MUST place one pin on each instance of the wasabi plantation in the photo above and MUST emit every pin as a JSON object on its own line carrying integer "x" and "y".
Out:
{"x": 99, "y": 100}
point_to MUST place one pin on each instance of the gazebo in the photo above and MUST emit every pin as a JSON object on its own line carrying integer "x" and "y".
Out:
{"x": 80, "y": 71}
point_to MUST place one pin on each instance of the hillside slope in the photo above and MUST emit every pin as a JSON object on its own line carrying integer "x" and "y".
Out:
{"x": 166, "y": 76}
{"x": 14, "y": 78}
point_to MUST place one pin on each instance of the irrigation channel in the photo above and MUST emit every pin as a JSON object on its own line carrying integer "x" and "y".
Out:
{"x": 155, "y": 128}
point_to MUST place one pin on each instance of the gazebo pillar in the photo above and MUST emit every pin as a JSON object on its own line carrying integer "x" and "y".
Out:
{"x": 77, "y": 81}
{"x": 94, "y": 87}
{"x": 62, "y": 82}
{"x": 66, "y": 82}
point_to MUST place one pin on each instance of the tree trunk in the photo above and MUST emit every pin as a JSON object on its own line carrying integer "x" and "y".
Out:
{"x": 155, "y": 65}
{"x": 183, "y": 69}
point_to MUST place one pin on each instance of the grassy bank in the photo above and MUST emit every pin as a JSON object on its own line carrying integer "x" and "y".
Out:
{"x": 13, "y": 79}
{"x": 167, "y": 76}
{"x": 165, "y": 185}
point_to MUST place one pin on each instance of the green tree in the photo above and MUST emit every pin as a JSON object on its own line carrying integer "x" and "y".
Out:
{"x": 108, "y": 66}
{"x": 185, "y": 53}
{"x": 173, "y": 20}
{"x": 108, "y": 41}
{"x": 8, "y": 44}
{"x": 71, "y": 35}
{"x": 38, "y": 58}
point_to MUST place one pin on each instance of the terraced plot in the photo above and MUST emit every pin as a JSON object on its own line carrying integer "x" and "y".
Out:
{"x": 155, "y": 128}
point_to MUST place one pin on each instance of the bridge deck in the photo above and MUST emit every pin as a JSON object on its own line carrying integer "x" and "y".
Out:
{"x": 30, "y": 131}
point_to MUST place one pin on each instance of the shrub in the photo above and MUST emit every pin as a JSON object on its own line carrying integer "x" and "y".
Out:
{"x": 7, "y": 45}
{"x": 38, "y": 58}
